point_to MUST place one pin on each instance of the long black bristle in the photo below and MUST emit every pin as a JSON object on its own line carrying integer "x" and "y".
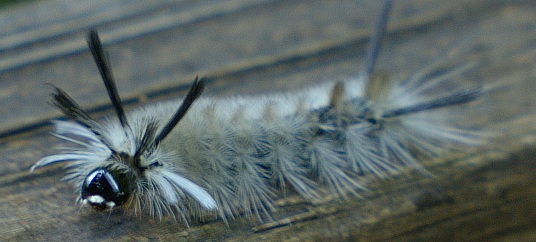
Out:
{"x": 106, "y": 73}
{"x": 459, "y": 97}
{"x": 70, "y": 108}
{"x": 193, "y": 94}
{"x": 376, "y": 40}
{"x": 147, "y": 139}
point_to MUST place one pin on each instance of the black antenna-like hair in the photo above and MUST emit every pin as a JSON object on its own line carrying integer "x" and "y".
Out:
{"x": 147, "y": 140}
{"x": 459, "y": 97}
{"x": 193, "y": 94}
{"x": 69, "y": 107}
{"x": 376, "y": 40}
{"x": 106, "y": 73}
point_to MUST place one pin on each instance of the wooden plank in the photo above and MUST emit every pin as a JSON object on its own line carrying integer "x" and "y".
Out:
{"x": 486, "y": 194}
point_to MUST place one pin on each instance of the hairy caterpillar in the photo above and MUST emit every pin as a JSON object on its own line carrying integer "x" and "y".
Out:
{"x": 232, "y": 156}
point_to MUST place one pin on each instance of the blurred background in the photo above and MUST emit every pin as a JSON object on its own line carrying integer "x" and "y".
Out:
{"x": 245, "y": 47}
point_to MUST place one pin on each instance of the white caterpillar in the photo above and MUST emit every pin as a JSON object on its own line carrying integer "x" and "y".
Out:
{"x": 234, "y": 156}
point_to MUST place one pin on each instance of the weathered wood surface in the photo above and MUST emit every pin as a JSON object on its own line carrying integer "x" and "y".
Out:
{"x": 251, "y": 47}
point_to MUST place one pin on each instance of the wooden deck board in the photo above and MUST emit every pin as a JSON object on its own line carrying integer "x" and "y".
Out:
{"x": 258, "y": 47}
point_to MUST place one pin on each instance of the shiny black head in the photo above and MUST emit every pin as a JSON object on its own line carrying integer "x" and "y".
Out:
{"x": 108, "y": 187}
{"x": 105, "y": 188}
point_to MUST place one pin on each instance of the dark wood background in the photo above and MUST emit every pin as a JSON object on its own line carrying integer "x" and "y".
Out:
{"x": 260, "y": 46}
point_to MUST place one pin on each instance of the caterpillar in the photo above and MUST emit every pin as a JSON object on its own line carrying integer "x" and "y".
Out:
{"x": 201, "y": 156}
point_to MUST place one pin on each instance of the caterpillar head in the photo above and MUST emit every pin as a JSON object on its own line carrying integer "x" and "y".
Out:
{"x": 116, "y": 162}
{"x": 105, "y": 188}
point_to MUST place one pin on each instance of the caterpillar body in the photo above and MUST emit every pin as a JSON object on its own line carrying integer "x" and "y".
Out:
{"x": 234, "y": 156}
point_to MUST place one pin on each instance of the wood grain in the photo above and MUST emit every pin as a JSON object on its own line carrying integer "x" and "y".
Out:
{"x": 254, "y": 47}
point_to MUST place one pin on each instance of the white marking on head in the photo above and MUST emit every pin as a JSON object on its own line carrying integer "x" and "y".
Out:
{"x": 95, "y": 199}
{"x": 110, "y": 205}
